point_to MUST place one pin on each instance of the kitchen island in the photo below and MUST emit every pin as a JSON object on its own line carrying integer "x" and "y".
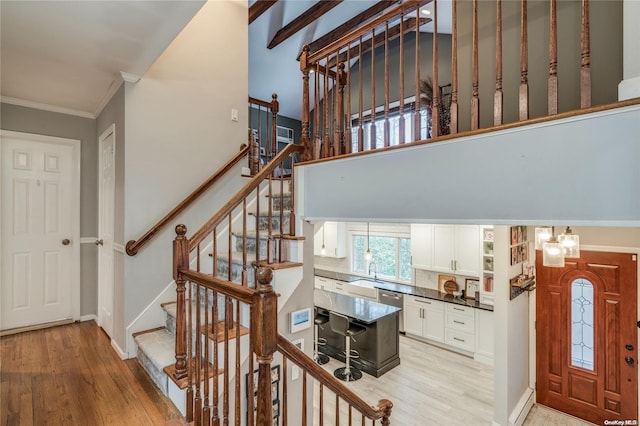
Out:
{"x": 378, "y": 346}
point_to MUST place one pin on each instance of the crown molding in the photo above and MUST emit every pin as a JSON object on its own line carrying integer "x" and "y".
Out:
{"x": 46, "y": 107}
{"x": 113, "y": 88}
{"x": 129, "y": 78}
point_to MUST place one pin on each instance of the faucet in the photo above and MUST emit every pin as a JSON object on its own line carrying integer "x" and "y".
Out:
{"x": 375, "y": 270}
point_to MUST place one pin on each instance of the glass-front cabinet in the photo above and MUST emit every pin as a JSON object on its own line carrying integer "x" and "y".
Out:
{"x": 486, "y": 287}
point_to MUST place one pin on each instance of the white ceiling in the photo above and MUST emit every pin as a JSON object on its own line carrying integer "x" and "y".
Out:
{"x": 69, "y": 54}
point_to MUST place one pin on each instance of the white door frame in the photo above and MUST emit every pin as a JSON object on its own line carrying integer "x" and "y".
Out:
{"x": 74, "y": 208}
{"x": 102, "y": 279}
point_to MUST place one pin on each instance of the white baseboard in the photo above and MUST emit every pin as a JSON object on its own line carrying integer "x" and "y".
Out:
{"x": 522, "y": 408}
{"x": 122, "y": 354}
{"x": 89, "y": 317}
{"x": 485, "y": 359}
{"x": 151, "y": 317}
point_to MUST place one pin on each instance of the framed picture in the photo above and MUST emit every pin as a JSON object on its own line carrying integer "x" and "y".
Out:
{"x": 471, "y": 285}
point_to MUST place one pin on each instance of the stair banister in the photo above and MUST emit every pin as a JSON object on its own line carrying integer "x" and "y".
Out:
{"x": 134, "y": 246}
{"x": 225, "y": 210}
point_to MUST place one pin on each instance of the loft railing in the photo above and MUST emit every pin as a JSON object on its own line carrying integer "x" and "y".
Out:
{"x": 226, "y": 314}
{"x": 263, "y": 128}
{"x": 380, "y": 85}
{"x": 133, "y": 246}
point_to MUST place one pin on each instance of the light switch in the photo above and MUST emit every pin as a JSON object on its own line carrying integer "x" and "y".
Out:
{"x": 234, "y": 114}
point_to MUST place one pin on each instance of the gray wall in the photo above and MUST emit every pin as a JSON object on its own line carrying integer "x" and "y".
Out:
{"x": 30, "y": 120}
{"x": 113, "y": 113}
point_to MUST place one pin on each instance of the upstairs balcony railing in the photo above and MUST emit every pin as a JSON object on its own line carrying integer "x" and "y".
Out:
{"x": 389, "y": 83}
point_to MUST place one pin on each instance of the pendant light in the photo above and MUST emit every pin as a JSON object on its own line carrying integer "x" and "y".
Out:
{"x": 570, "y": 242}
{"x": 367, "y": 254}
{"x": 543, "y": 234}
{"x": 323, "y": 250}
{"x": 553, "y": 252}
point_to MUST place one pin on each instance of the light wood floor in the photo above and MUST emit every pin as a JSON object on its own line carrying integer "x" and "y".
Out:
{"x": 432, "y": 386}
{"x": 70, "y": 375}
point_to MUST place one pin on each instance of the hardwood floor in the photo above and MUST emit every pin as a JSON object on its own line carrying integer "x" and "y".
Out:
{"x": 70, "y": 375}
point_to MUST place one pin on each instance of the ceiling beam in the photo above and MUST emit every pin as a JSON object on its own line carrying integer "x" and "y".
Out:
{"x": 258, "y": 8}
{"x": 307, "y": 17}
{"x": 352, "y": 23}
{"x": 409, "y": 25}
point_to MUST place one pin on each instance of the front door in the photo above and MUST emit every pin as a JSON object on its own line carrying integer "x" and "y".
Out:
{"x": 587, "y": 336}
{"x": 40, "y": 230}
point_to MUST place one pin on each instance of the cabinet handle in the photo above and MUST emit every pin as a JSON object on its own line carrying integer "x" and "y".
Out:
{"x": 455, "y": 265}
{"x": 423, "y": 301}
{"x": 451, "y": 264}
{"x": 459, "y": 340}
{"x": 459, "y": 322}
{"x": 458, "y": 309}
{"x": 335, "y": 251}
{"x": 421, "y": 312}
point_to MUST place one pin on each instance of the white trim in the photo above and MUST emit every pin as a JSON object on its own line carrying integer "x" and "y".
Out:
{"x": 88, "y": 240}
{"x": 522, "y": 408}
{"x": 90, "y": 317}
{"x": 115, "y": 85}
{"x": 76, "y": 147}
{"x": 122, "y": 354}
{"x": 119, "y": 248}
{"x": 129, "y": 78}
{"x": 46, "y": 107}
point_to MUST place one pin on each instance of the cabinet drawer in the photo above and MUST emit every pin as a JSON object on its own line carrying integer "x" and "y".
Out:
{"x": 460, "y": 310}
{"x": 428, "y": 303}
{"x": 324, "y": 283}
{"x": 460, "y": 339}
{"x": 461, "y": 323}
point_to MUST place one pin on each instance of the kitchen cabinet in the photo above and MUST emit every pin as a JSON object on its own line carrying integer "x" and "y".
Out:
{"x": 486, "y": 285}
{"x": 460, "y": 327}
{"x": 421, "y": 246}
{"x": 333, "y": 235}
{"x": 484, "y": 337}
{"x": 456, "y": 249}
{"x": 424, "y": 318}
{"x": 327, "y": 284}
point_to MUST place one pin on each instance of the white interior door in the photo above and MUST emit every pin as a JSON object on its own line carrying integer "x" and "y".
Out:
{"x": 106, "y": 224}
{"x": 40, "y": 230}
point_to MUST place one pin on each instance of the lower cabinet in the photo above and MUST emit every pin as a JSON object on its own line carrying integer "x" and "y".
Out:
{"x": 460, "y": 327}
{"x": 424, "y": 318}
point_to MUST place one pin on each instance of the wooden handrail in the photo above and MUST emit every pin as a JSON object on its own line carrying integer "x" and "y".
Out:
{"x": 216, "y": 219}
{"x": 228, "y": 288}
{"x": 295, "y": 355}
{"x": 364, "y": 29}
{"x": 134, "y": 246}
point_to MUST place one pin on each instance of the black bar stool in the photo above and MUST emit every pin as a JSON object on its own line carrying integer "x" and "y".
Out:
{"x": 319, "y": 321}
{"x": 341, "y": 324}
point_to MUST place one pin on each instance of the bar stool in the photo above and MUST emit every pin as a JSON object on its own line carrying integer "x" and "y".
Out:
{"x": 319, "y": 321}
{"x": 341, "y": 324}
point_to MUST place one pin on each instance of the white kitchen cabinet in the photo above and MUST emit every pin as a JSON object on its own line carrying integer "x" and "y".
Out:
{"x": 334, "y": 236}
{"x": 424, "y": 318}
{"x": 326, "y": 284}
{"x": 456, "y": 249}
{"x": 460, "y": 327}
{"x": 421, "y": 246}
{"x": 484, "y": 336}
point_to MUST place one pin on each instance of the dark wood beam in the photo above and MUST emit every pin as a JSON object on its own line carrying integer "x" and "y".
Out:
{"x": 394, "y": 32}
{"x": 258, "y": 8}
{"x": 310, "y": 15}
{"x": 352, "y": 23}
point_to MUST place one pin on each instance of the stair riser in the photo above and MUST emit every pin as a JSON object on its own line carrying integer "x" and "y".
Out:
{"x": 263, "y": 222}
{"x": 236, "y": 271}
{"x": 158, "y": 376}
{"x": 251, "y": 247}
{"x": 282, "y": 202}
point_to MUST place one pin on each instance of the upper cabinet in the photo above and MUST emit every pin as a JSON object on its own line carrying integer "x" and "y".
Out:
{"x": 333, "y": 236}
{"x": 456, "y": 249}
{"x": 421, "y": 246}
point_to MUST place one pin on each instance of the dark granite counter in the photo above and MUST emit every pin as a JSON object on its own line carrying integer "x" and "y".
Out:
{"x": 406, "y": 289}
{"x": 362, "y": 310}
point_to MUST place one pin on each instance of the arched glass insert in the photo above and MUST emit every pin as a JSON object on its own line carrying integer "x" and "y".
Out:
{"x": 582, "y": 324}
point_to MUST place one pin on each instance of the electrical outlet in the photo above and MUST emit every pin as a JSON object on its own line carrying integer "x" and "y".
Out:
{"x": 234, "y": 114}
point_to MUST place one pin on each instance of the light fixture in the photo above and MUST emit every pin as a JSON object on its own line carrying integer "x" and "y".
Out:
{"x": 323, "y": 250}
{"x": 543, "y": 234}
{"x": 553, "y": 252}
{"x": 570, "y": 242}
{"x": 367, "y": 254}
{"x": 426, "y": 11}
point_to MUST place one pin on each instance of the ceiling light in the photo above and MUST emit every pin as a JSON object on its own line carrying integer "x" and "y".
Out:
{"x": 543, "y": 234}
{"x": 553, "y": 252}
{"x": 426, "y": 12}
{"x": 570, "y": 242}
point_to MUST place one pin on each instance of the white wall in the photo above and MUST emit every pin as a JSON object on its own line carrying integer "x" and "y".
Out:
{"x": 178, "y": 132}
{"x": 630, "y": 86}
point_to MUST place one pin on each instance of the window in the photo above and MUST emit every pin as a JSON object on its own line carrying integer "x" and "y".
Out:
{"x": 390, "y": 256}
{"x": 394, "y": 129}
{"x": 582, "y": 324}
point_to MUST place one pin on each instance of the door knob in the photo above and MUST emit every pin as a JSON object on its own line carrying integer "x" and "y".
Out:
{"x": 629, "y": 360}
{"x": 99, "y": 242}
{"x": 66, "y": 242}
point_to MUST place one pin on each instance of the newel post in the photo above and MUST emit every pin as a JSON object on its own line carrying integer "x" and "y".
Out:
{"x": 386, "y": 406}
{"x": 305, "y": 139}
{"x": 264, "y": 331}
{"x": 180, "y": 260}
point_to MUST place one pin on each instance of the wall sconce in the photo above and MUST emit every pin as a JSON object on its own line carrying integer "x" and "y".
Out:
{"x": 570, "y": 242}
{"x": 367, "y": 254}
{"x": 323, "y": 250}
{"x": 553, "y": 252}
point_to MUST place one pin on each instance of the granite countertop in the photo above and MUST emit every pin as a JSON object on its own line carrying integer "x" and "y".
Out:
{"x": 406, "y": 289}
{"x": 356, "y": 308}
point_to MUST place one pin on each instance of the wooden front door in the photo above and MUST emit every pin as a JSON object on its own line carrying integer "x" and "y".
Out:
{"x": 586, "y": 336}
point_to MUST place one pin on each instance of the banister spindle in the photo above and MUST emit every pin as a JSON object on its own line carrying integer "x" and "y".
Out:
{"x": 553, "y": 60}
{"x": 325, "y": 117}
{"x": 475, "y": 101}
{"x": 372, "y": 140}
{"x": 316, "y": 113}
{"x": 386, "y": 84}
{"x": 585, "y": 55}
{"x": 435, "y": 106}
{"x": 523, "y": 95}
{"x": 454, "y": 68}
{"x": 305, "y": 140}
{"x": 198, "y": 362}
{"x": 416, "y": 103}
{"x": 360, "y": 99}
{"x": 349, "y": 132}
{"x": 275, "y": 108}
{"x": 339, "y": 112}
{"x": 206, "y": 409}
{"x": 214, "y": 390}
{"x": 401, "y": 135}
{"x": 498, "y": 96}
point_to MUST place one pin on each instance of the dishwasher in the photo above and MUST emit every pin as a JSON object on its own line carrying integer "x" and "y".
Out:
{"x": 394, "y": 299}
